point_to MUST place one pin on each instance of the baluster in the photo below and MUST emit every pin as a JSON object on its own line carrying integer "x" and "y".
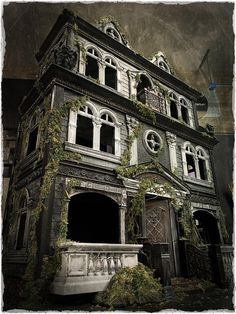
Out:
{"x": 117, "y": 262}
{"x": 98, "y": 265}
{"x": 90, "y": 265}
{"x": 112, "y": 265}
{"x": 104, "y": 265}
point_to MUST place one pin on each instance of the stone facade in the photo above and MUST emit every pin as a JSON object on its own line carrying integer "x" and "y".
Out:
{"x": 76, "y": 60}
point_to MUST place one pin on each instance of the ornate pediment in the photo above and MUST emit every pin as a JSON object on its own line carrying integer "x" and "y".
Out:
{"x": 161, "y": 61}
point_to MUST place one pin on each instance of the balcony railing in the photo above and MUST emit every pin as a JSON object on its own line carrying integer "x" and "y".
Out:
{"x": 88, "y": 267}
{"x": 156, "y": 101}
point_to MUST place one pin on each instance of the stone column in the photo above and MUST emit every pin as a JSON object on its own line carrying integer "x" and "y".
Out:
{"x": 101, "y": 67}
{"x": 122, "y": 210}
{"x": 132, "y": 84}
{"x": 171, "y": 140}
{"x": 197, "y": 167}
{"x": 132, "y": 123}
{"x": 96, "y": 133}
{"x": 117, "y": 139}
{"x": 119, "y": 81}
{"x": 72, "y": 127}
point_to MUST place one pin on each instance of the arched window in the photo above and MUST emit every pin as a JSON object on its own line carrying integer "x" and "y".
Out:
{"x": 184, "y": 111}
{"x": 84, "y": 129}
{"x": 107, "y": 134}
{"x": 190, "y": 160}
{"x": 173, "y": 106}
{"x": 112, "y": 33}
{"x": 110, "y": 73}
{"x": 92, "y": 68}
{"x": 144, "y": 83}
{"x": 164, "y": 66}
{"x": 33, "y": 135}
{"x": 202, "y": 163}
{"x": 21, "y": 237}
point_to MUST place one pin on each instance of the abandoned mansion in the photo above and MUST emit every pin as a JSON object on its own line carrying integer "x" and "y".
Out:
{"x": 111, "y": 168}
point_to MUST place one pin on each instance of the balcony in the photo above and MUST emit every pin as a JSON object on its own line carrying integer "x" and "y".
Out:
{"x": 88, "y": 267}
{"x": 156, "y": 101}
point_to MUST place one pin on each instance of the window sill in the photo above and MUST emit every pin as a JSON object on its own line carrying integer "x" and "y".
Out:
{"x": 198, "y": 181}
{"x": 92, "y": 152}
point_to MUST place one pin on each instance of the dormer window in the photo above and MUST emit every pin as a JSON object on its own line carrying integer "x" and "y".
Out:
{"x": 112, "y": 33}
{"x": 163, "y": 65}
{"x": 92, "y": 68}
{"x": 110, "y": 73}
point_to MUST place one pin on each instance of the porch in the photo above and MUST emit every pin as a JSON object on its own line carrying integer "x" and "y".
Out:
{"x": 88, "y": 267}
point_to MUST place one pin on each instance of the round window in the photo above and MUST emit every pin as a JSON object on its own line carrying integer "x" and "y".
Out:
{"x": 152, "y": 141}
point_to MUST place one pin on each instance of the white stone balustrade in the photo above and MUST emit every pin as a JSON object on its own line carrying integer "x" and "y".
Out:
{"x": 88, "y": 267}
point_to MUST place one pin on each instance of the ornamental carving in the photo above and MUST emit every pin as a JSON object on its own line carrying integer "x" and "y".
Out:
{"x": 171, "y": 138}
{"x": 29, "y": 178}
{"x": 88, "y": 174}
{"x": 65, "y": 57}
{"x": 203, "y": 199}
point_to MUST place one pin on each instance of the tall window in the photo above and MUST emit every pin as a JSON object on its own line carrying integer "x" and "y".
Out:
{"x": 92, "y": 68}
{"x": 202, "y": 164}
{"x": 184, "y": 111}
{"x": 191, "y": 169}
{"x": 110, "y": 73}
{"x": 173, "y": 106}
{"x": 21, "y": 227}
{"x": 33, "y": 135}
{"x": 107, "y": 134}
{"x": 84, "y": 129}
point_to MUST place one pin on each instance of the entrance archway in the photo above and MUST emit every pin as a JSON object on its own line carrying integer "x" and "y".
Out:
{"x": 207, "y": 227}
{"x": 93, "y": 218}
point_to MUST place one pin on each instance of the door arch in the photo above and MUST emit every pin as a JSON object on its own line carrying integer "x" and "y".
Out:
{"x": 93, "y": 218}
{"x": 207, "y": 227}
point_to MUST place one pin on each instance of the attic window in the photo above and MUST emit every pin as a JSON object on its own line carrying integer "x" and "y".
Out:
{"x": 112, "y": 33}
{"x": 163, "y": 65}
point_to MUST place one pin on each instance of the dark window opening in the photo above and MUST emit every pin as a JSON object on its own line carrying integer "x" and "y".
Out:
{"x": 93, "y": 218}
{"x": 111, "y": 77}
{"x": 184, "y": 113}
{"x": 190, "y": 166}
{"x": 84, "y": 131}
{"x": 32, "y": 141}
{"x": 207, "y": 227}
{"x": 107, "y": 139}
{"x": 143, "y": 83}
{"x": 173, "y": 109}
{"x": 92, "y": 69}
{"x": 21, "y": 232}
{"x": 202, "y": 169}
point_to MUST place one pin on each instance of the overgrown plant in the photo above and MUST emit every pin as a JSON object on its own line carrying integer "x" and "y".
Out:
{"x": 56, "y": 154}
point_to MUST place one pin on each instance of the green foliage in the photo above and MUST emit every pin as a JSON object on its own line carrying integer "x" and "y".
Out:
{"x": 131, "y": 286}
{"x": 56, "y": 153}
{"x": 145, "y": 110}
{"x": 189, "y": 227}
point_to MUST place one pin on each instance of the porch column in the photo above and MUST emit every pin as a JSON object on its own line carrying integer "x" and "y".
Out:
{"x": 122, "y": 210}
{"x": 171, "y": 140}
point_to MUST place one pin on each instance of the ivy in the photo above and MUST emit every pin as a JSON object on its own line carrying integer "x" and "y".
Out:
{"x": 144, "y": 110}
{"x": 56, "y": 154}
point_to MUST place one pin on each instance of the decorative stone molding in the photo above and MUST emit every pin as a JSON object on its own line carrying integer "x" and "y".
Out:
{"x": 65, "y": 57}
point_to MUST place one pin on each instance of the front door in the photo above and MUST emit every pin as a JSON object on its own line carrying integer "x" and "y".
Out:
{"x": 160, "y": 227}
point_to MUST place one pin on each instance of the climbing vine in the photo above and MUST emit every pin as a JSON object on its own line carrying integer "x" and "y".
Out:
{"x": 56, "y": 154}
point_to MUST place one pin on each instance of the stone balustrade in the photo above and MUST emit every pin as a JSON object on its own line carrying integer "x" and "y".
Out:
{"x": 88, "y": 267}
